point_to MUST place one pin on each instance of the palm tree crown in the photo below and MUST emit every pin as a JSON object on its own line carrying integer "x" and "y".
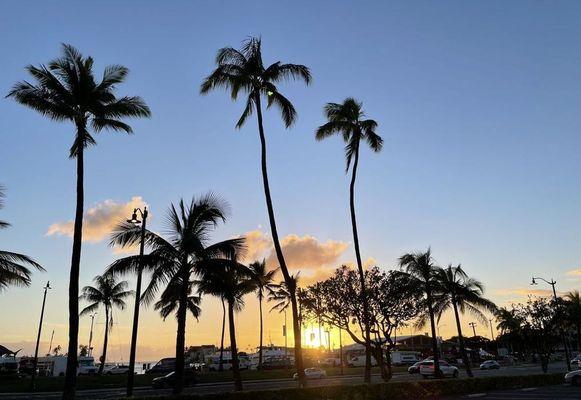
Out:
{"x": 243, "y": 70}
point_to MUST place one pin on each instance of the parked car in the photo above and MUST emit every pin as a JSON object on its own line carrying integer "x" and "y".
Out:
{"x": 168, "y": 380}
{"x": 359, "y": 361}
{"x": 415, "y": 369}
{"x": 490, "y": 364}
{"x": 427, "y": 369}
{"x": 574, "y": 377}
{"x": 576, "y": 362}
{"x": 163, "y": 366}
{"x": 312, "y": 373}
{"x": 116, "y": 369}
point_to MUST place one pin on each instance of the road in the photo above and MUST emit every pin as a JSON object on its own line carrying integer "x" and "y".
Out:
{"x": 267, "y": 384}
{"x": 560, "y": 392}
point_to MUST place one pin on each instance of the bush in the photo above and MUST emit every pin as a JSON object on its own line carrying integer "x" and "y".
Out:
{"x": 383, "y": 391}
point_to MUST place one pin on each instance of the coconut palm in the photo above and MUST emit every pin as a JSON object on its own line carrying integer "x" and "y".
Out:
{"x": 108, "y": 293}
{"x": 421, "y": 272}
{"x": 573, "y": 302}
{"x": 170, "y": 300}
{"x": 229, "y": 281}
{"x": 243, "y": 70}
{"x": 14, "y": 266}
{"x": 262, "y": 279}
{"x": 66, "y": 90}
{"x": 177, "y": 257}
{"x": 348, "y": 120}
{"x": 463, "y": 294}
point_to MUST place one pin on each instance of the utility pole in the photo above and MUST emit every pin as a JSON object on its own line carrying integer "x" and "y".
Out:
{"x": 91, "y": 334}
{"x": 285, "y": 337}
{"x": 473, "y": 325}
{"x": 50, "y": 345}
{"x": 38, "y": 337}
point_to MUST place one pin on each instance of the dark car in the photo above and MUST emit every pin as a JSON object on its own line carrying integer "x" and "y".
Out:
{"x": 163, "y": 366}
{"x": 168, "y": 380}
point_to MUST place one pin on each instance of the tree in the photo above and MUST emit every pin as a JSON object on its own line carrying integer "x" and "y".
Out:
{"x": 348, "y": 120}
{"x": 243, "y": 70}
{"x": 573, "y": 302}
{"x": 108, "y": 293}
{"x": 462, "y": 294}
{"x": 57, "y": 350}
{"x": 178, "y": 257}
{"x": 83, "y": 350}
{"x": 66, "y": 90}
{"x": 262, "y": 279}
{"x": 420, "y": 270}
{"x": 230, "y": 281}
{"x": 170, "y": 300}
{"x": 13, "y": 266}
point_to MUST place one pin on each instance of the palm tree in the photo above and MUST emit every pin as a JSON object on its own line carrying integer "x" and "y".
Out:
{"x": 462, "y": 294}
{"x": 13, "y": 266}
{"x": 243, "y": 70}
{"x": 173, "y": 259}
{"x": 108, "y": 293}
{"x": 263, "y": 279}
{"x": 573, "y": 301}
{"x": 230, "y": 281}
{"x": 66, "y": 90}
{"x": 348, "y": 120}
{"x": 170, "y": 300}
{"x": 421, "y": 272}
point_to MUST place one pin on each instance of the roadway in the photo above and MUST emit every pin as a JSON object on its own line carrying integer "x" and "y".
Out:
{"x": 268, "y": 384}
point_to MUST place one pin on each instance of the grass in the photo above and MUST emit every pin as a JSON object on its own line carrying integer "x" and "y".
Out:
{"x": 55, "y": 384}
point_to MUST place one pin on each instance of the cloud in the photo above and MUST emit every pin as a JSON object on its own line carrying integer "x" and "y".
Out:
{"x": 575, "y": 273}
{"x": 521, "y": 294}
{"x": 99, "y": 220}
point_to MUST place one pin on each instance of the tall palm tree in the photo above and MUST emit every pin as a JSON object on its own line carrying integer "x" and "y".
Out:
{"x": 66, "y": 90}
{"x": 108, "y": 293}
{"x": 263, "y": 279}
{"x": 170, "y": 300}
{"x": 421, "y": 272}
{"x": 174, "y": 259}
{"x": 573, "y": 302}
{"x": 463, "y": 294}
{"x": 243, "y": 70}
{"x": 348, "y": 120}
{"x": 230, "y": 281}
{"x": 14, "y": 266}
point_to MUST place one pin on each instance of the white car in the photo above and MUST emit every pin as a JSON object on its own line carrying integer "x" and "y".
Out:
{"x": 490, "y": 364}
{"x": 574, "y": 377}
{"x": 116, "y": 369}
{"x": 312, "y": 373}
{"x": 427, "y": 369}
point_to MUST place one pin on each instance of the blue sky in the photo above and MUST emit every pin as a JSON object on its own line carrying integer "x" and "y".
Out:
{"x": 478, "y": 103}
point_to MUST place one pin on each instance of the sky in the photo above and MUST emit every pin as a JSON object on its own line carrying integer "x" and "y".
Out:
{"x": 478, "y": 104}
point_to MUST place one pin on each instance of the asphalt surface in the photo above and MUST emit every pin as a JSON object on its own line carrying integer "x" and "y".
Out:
{"x": 560, "y": 392}
{"x": 267, "y": 384}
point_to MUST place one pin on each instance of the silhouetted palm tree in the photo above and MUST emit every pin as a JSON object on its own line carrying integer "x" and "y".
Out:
{"x": 263, "y": 279}
{"x": 13, "y": 266}
{"x": 348, "y": 120}
{"x": 243, "y": 70}
{"x": 170, "y": 300}
{"x": 66, "y": 90}
{"x": 230, "y": 281}
{"x": 421, "y": 273}
{"x": 173, "y": 260}
{"x": 107, "y": 293}
{"x": 573, "y": 302}
{"x": 462, "y": 294}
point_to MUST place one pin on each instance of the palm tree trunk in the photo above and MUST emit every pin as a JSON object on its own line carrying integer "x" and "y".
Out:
{"x": 367, "y": 377}
{"x": 105, "y": 341}
{"x": 221, "y": 366}
{"x": 234, "y": 349}
{"x": 465, "y": 359}
{"x": 435, "y": 350}
{"x": 181, "y": 332}
{"x": 71, "y": 372}
{"x": 278, "y": 248}
{"x": 261, "y": 331}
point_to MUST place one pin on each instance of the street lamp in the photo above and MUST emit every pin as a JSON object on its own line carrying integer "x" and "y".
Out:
{"x": 131, "y": 372}
{"x": 91, "y": 333}
{"x": 46, "y": 288}
{"x": 552, "y": 282}
{"x": 473, "y": 325}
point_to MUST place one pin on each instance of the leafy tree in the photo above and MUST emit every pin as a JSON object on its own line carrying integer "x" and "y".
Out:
{"x": 57, "y": 350}
{"x": 178, "y": 257}
{"x": 13, "y": 266}
{"x": 243, "y": 70}
{"x": 108, "y": 293}
{"x": 262, "y": 279}
{"x": 83, "y": 350}
{"x": 573, "y": 303}
{"x": 463, "y": 295}
{"x": 348, "y": 120}
{"x": 66, "y": 90}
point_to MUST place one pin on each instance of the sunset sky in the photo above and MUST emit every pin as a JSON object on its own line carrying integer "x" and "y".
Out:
{"x": 479, "y": 105}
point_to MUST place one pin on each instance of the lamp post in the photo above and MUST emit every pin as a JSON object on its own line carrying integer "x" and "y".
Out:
{"x": 91, "y": 333}
{"x": 491, "y": 333}
{"x": 552, "y": 282}
{"x": 131, "y": 372}
{"x": 473, "y": 325}
{"x": 34, "y": 365}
